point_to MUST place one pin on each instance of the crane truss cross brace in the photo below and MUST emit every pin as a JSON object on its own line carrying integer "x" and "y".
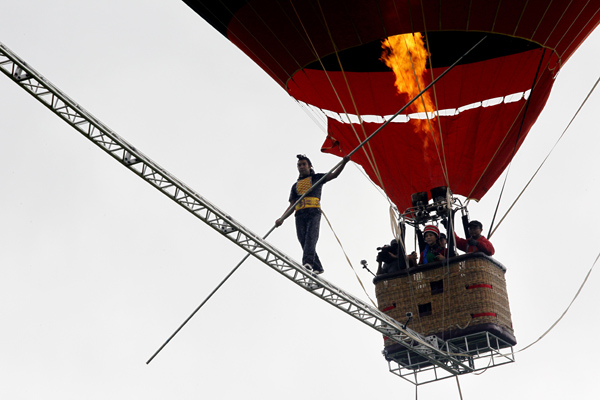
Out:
{"x": 27, "y": 78}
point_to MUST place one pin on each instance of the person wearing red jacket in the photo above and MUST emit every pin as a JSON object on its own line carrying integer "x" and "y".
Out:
{"x": 476, "y": 242}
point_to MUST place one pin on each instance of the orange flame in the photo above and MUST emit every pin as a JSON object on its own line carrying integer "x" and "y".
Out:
{"x": 407, "y": 57}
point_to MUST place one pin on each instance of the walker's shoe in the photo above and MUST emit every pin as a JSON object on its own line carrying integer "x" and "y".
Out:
{"x": 318, "y": 271}
{"x": 308, "y": 266}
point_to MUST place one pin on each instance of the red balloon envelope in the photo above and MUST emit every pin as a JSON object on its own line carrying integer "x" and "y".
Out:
{"x": 326, "y": 53}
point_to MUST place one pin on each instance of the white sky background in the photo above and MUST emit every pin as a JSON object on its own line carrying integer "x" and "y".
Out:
{"x": 98, "y": 268}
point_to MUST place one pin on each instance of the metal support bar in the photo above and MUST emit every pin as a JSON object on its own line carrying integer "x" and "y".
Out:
{"x": 483, "y": 350}
{"x": 102, "y": 136}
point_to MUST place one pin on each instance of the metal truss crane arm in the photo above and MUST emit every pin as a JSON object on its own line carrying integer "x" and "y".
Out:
{"x": 102, "y": 136}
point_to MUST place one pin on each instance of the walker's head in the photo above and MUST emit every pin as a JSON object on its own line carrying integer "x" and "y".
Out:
{"x": 304, "y": 165}
{"x": 303, "y": 157}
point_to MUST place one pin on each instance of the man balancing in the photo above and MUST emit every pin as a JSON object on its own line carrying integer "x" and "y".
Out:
{"x": 308, "y": 211}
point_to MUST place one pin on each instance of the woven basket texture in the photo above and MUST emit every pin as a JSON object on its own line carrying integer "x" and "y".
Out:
{"x": 447, "y": 298}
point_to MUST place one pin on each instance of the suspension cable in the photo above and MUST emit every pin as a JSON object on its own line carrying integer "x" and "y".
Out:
{"x": 442, "y": 160}
{"x": 348, "y": 259}
{"x": 333, "y": 88}
{"x": 566, "y": 310}
{"x": 518, "y": 136}
{"x": 547, "y": 156}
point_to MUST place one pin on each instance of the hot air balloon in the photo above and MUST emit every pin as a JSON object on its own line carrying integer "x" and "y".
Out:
{"x": 356, "y": 63}
{"x": 327, "y": 54}
{"x": 99, "y": 232}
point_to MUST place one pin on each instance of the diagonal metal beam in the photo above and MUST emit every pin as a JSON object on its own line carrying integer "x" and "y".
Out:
{"x": 134, "y": 160}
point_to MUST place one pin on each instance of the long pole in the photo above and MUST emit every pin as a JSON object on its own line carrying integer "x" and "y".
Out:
{"x": 291, "y": 209}
{"x": 204, "y": 302}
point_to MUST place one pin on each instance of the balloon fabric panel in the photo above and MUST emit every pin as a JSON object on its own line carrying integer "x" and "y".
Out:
{"x": 326, "y": 53}
{"x": 478, "y": 143}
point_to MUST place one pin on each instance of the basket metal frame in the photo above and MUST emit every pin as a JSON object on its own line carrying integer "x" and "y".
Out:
{"x": 481, "y": 350}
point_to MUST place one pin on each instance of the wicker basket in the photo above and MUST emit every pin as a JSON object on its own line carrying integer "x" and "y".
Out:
{"x": 467, "y": 296}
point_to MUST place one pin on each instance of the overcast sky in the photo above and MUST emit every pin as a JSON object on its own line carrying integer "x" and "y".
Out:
{"x": 98, "y": 268}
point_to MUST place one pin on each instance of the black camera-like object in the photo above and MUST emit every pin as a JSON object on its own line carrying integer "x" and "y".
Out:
{"x": 384, "y": 253}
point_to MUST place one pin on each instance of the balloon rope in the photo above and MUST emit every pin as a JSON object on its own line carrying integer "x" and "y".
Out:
{"x": 395, "y": 115}
{"x": 566, "y": 310}
{"x": 370, "y": 158}
{"x": 400, "y": 239}
{"x": 547, "y": 156}
{"x": 347, "y": 259}
{"x": 546, "y": 66}
{"x": 442, "y": 160}
{"x": 565, "y": 31}
{"x": 502, "y": 142}
{"x": 437, "y": 148}
{"x": 247, "y": 47}
{"x": 458, "y": 384}
{"x": 291, "y": 208}
{"x": 516, "y": 141}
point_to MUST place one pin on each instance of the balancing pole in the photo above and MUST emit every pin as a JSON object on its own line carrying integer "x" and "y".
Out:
{"x": 291, "y": 209}
{"x": 205, "y": 300}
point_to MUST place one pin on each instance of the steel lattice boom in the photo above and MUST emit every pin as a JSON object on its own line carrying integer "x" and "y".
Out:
{"x": 445, "y": 357}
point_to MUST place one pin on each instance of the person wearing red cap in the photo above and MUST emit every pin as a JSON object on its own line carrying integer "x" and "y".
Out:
{"x": 432, "y": 251}
{"x": 476, "y": 242}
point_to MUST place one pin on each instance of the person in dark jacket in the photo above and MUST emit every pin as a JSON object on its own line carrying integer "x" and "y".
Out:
{"x": 443, "y": 240}
{"x": 308, "y": 211}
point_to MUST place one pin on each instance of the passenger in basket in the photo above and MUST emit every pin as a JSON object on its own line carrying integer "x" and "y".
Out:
{"x": 387, "y": 258}
{"x": 476, "y": 242}
{"x": 412, "y": 259}
{"x": 431, "y": 251}
{"x": 392, "y": 258}
{"x": 443, "y": 240}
